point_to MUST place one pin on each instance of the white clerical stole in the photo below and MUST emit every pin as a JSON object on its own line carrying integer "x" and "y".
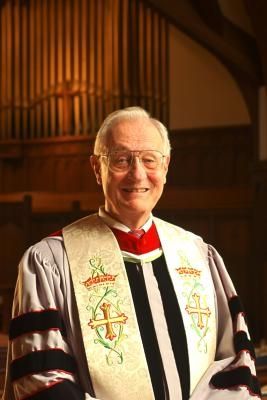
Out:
{"x": 111, "y": 335}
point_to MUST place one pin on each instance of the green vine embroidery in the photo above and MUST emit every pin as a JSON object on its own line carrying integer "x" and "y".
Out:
{"x": 196, "y": 303}
{"x": 104, "y": 307}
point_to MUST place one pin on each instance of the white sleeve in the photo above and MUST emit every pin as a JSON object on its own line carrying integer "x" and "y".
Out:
{"x": 232, "y": 375}
{"x": 41, "y": 360}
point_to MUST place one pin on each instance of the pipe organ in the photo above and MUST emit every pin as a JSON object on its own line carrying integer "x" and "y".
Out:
{"x": 65, "y": 64}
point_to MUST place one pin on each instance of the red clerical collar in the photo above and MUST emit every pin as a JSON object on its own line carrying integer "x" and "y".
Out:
{"x": 148, "y": 242}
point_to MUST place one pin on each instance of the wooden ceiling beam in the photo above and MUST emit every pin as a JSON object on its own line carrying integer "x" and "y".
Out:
{"x": 258, "y": 14}
{"x": 184, "y": 15}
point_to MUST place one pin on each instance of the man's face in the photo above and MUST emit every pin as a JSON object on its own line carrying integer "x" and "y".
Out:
{"x": 131, "y": 195}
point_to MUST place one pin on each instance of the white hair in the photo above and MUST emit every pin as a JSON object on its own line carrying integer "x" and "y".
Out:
{"x": 129, "y": 113}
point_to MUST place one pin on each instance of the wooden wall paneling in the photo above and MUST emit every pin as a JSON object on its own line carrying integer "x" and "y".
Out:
{"x": 73, "y": 170}
{"x": 59, "y": 116}
{"x": 84, "y": 54}
{"x": 17, "y": 69}
{"x": 233, "y": 236}
{"x": 1, "y": 67}
{"x": 108, "y": 57}
{"x": 45, "y": 223}
{"x": 164, "y": 62}
{"x": 38, "y": 174}
{"x": 212, "y": 157}
{"x": 68, "y": 37}
{"x": 12, "y": 247}
{"x": 163, "y": 70}
{"x": 32, "y": 67}
{"x": 185, "y": 170}
{"x": 24, "y": 43}
{"x": 67, "y": 81}
{"x": 99, "y": 61}
{"x": 59, "y": 66}
{"x": 77, "y": 114}
{"x": 14, "y": 228}
{"x": 45, "y": 68}
{"x": 241, "y": 165}
{"x": 76, "y": 66}
{"x": 53, "y": 176}
{"x": 133, "y": 54}
{"x": 48, "y": 174}
{"x": 258, "y": 263}
{"x": 148, "y": 58}
{"x": 124, "y": 22}
{"x": 10, "y": 69}
{"x": 233, "y": 240}
{"x": 141, "y": 66}
{"x": 87, "y": 178}
{"x": 63, "y": 182}
{"x": 6, "y": 295}
{"x": 261, "y": 302}
{"x": 116, "y": 38}
{"x": 39, "y": 68}
{"x": 2, "y": 72}
{"x": 156, "y": 61}
{"x": 28, "y": 167}
{"x": 1, "y": 175}
{"x": 52, "y": 68}
{"x": 244, "y": 152}
{"x": 92, "y": 60}
{"x": 6, "y": 177}
{"x": 206, "y": 171}
{"x": 11, "y": 177}
{"x": 225, "y": 142}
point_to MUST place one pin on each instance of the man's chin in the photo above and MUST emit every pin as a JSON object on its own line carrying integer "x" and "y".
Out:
{"x": 136, "y": 207}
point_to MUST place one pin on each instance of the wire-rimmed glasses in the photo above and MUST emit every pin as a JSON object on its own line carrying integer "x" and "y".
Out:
{"x": 122, "y": 160}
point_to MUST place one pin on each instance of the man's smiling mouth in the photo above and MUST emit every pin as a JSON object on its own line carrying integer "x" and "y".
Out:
{"x": 135, "y": 190}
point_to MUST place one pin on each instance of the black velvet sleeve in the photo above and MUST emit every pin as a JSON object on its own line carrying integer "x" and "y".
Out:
{"x": 64, "y": 390}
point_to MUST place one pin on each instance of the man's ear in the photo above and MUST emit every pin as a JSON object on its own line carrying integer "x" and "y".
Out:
{"x": 166, "y": 163}
{"x": 95, "y": 164}
{"x": 166, "y": 166}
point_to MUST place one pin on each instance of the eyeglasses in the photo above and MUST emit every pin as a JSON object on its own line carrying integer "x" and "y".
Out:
{"x": 121, "y": 161}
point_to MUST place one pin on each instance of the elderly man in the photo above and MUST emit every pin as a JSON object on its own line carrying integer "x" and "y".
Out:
{"x": 121, "y": 305}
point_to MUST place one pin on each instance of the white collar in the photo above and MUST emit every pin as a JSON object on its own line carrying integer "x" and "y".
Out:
{"x": 113, "y": 223}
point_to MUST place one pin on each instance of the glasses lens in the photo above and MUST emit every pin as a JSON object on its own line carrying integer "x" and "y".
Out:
{"x": 151, "y": 159}
{"x": 122, "y": 160}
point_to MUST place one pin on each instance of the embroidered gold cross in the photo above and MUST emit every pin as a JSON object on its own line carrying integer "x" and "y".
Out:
{"x": 108, "y": 321}
{"x": 197, "y": 310}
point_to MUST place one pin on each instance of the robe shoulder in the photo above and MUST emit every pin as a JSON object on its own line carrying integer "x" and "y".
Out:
{"x": 184, "y": 234}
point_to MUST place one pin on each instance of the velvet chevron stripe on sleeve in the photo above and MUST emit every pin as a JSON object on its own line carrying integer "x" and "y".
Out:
{"x": 42, "y": 361}
{"x": 62, "y": 390}
{"x": 236, "y": 307}
{"x": 36, "y": 321}
{"x": 242, "y": 343}
{"x": 240, "y": 376}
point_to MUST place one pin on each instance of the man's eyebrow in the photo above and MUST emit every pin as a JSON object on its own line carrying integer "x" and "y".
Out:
{"x": 116, "y": 148}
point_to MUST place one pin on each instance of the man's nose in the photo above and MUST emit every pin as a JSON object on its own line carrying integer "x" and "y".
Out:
{"x": 137, "y": 168}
